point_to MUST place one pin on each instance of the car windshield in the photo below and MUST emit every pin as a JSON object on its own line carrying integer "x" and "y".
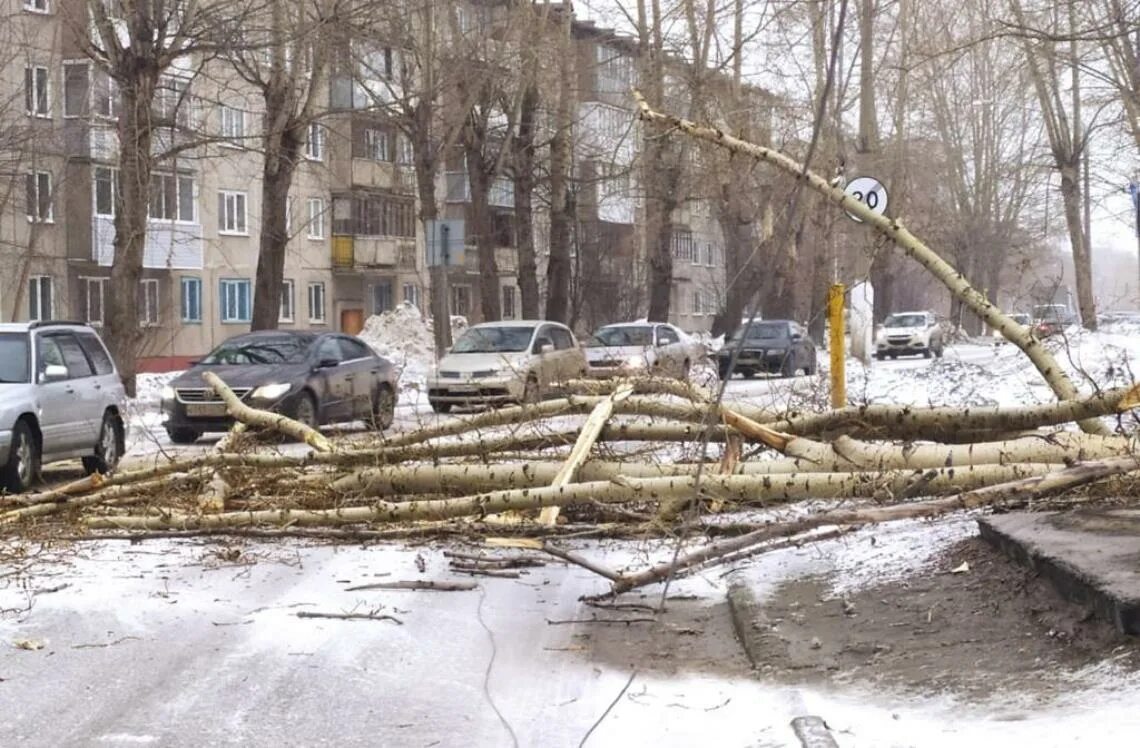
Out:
{"x": 13, "y": 358}
{"x": 494, "y": 340}
{"x": 906, "y": 320}
{"x": 260, "y": 350}
{"x": 1050, "y": 312}
{"x": 1021, "y": 319}
{"x": 763, "y": 331}
{"x": 612, "y": 337}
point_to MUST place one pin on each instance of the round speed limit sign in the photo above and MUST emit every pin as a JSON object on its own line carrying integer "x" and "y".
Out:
{"x": 868, "y": 191}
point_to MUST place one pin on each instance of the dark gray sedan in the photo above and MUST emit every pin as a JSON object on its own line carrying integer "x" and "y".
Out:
{"x": 313, "y": 378}
{"x": 773, "y": 346}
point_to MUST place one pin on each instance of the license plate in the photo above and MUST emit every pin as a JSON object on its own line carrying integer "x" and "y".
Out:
{"x": 205, "y": 410}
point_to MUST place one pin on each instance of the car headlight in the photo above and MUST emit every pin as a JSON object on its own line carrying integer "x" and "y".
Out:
{"x": 167, "y": 393}
{"x": 271, "y": 391}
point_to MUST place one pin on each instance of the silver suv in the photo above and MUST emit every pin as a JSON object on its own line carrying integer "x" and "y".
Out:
{"x": 60, "y": 398}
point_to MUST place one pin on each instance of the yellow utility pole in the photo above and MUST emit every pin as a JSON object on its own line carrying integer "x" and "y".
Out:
{"x": 836, "y": 347}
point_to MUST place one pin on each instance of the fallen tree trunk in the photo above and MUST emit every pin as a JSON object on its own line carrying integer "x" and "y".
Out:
{"x": 266, "y": 419}
{"x": 911, "y": 246}
{"x": 1022, "y": 489}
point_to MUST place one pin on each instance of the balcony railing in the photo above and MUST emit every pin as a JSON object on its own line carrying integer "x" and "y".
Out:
{"x": 459, "y": 190}
{"x": 343, "y": 253}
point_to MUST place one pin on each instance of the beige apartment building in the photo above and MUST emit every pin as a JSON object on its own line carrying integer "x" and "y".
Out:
{"x": 356, "y": 246}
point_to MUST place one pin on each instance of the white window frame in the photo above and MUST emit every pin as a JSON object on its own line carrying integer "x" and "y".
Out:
{"x": 232, "y": 126}
{"x": 231, "y": 221}
{"x": 411, "y": 294}
{"x": 114, "y": 173}
{"x": 287, "y": 312}
{"x": 194, "y": 282}
{"x": 228, "y": 286}
{"x": 316, "y": 218}
{"x": 149, "y": 302}
{"x": 31, "y": 6}
{"x": 88, "y": 317}
{"x": 377, "y": 144}
{"x": 172, "y": 100}
{"x": 33, "y": 96}
{"x": 33, "y": 208}
{"x": 315, "y": 142}
{"x": 405, "y": 151}
{"x": 37, "y": 283}
{"x": 86, "y": 65}
{"x": 317, "y": 313}
{"x": 511, "y": 293}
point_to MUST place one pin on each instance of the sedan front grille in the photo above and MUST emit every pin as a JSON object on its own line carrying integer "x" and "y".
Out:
{"x": 206, "y": 395}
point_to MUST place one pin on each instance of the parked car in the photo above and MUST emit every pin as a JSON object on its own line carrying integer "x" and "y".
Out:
{"x": 312, "y": 377}
{"x": 60, "y": 398}
{"x": 1020, "y": 318}
{"x": 772, "y": 346}
{"x": 1051, "y": 319}
{"x": 909, "y": 333}
{"x": 640, "y": 348}
{"x": 505, "y": 362}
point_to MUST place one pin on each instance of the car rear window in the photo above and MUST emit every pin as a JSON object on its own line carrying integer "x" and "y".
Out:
{"x": 13, "y": 358}
{"x": 96, "y": 352}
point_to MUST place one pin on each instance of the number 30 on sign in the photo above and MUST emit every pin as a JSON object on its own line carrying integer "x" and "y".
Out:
{"x": 868, "y": 191}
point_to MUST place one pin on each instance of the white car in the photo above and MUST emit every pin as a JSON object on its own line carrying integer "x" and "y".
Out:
{"x": 496, "y": 363}
{"x": 909, "y": 333}
{"x": 640, "y": 348}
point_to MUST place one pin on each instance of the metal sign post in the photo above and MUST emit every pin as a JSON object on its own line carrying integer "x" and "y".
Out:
{"x": 1134, "y": 190}
{"x": 835, "y": 346}
{"x": 444, "y": 248}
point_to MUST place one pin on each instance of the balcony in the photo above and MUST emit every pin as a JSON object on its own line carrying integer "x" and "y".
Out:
{"x": 459, "y": 190}
{"x": 361, "y": 252}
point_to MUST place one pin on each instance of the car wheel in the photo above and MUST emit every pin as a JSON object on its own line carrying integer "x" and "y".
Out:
{"x": 926, "y": 352}
{"x": 23, "y": 459}
{"x": 894, "y": 356}
{"x": 747, "y": 373}
{"x": 383, "y": 408}
{"x": 812, "y": 364}
{"x": 938, "y": 350}
{"x": 441, "y": 407}
{"x": 881, "y": 356}
{"x": 305, "y": 411}
{"x": 532, "y": 393}
{"x": 686, "y": 366}
{"x": 183, "y": 436}
{"x": 109, "y": 448}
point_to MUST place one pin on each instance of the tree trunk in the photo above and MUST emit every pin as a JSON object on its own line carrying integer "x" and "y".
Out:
{"x": 524, "y": 179}
{"x": 1082, "y": 259}
{"x": 479, "y": 176}
{"x": 661, "y": 201}
{"x": 282, "y": 150}
{"x": 121, "y": 331}
{"x": 558, "y": 267}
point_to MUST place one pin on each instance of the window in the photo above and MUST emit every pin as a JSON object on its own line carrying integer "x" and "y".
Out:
{"x": 235, "y": 300}
{"x": 698, "y": 307}
{"x": 37, "y": 6}
{"x": 614, "y": 70}
{"x": 105, "y": 99}
{"x": 94, "y": 293}
{"x": 72, "y": 353}
{"x": 76, "y": 88}
{"x": 233, "y": 124}
{"x": 508, "y": 302}
{"x": 460, "y": 300}
{"x": 563, "y": 340}
{"x": 710, "y": 255}
{"x": 382, "y": 297}
{"x": 405, "y": 153}
{"x": 148, "y": 302}
{"x": 330, "y": 350}
{"x": 352, "y": 350}
{"x": 106, "y": 190}
{"x": 191, "y": 300}
{"x": 412, "y": 294}
{"x": 683, "y": 247}
{"x": 286, "y": 314}
{"x": 38, "y": 188}
{"x": 40, "y": 298}
{"x": 376, "y": 144}
{"x": 374, "y": 215}
{"x": 316, "y": 218}
{"x": 37, "y": 91}
{"x": 172, "y": 197}
{"x": 172, "y": 102}
{"x": 231, "y": 213}
{"x": 95, "y": 351}
{"x": 315, "y": 143}
{"x": 317, "y": 303}
{"x": 666, "y": 336}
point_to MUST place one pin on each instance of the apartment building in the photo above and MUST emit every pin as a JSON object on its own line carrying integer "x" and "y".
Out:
{"x": 356, "y": 247}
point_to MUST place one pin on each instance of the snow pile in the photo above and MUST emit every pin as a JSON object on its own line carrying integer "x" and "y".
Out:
{"x": 148, "y": 388}
{"x": 404, "y": 337}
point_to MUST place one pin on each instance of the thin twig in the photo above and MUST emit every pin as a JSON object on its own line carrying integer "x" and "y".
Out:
{"x": 627, "y": 621}
{"x": 350, "y": 616}
{"x": 574, "y": 558}
{"x": 415, "y": 584}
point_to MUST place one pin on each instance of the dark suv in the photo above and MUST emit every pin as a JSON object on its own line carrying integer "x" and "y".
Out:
{"x": 771, "y": 346}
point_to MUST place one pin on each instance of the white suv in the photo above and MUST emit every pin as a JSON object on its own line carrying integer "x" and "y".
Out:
{"x": 909, "y": 333}
{"x": 60, "y": 398}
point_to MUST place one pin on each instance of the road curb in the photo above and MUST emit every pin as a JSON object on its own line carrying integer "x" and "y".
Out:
{"x": 744, "y": 611}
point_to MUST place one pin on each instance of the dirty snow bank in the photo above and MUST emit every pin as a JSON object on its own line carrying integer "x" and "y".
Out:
{"x": 404, "y": 336}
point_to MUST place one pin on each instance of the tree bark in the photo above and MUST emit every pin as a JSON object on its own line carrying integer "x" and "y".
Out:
{"x": 281, "y": 153}
{"x": 480, "y": 174}
{"x": 524, "y": 181}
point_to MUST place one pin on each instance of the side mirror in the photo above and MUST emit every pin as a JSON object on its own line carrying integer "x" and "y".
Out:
{"x": 328, "y": 363}
{"x": 54, "y": 373}
{"x": 796, "y": 337}
{"x": 546, "y": 347}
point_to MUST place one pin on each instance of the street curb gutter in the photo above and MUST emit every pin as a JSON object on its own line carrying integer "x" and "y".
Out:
{"x": 747, "y": 616}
